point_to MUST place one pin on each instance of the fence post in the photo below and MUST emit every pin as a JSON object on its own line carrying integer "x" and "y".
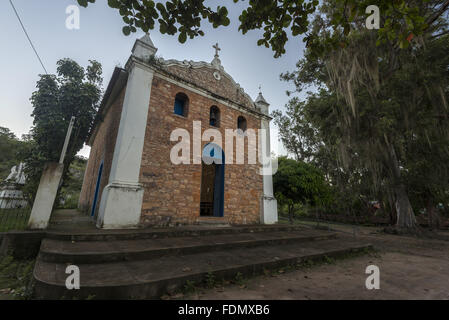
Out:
{"x": 48, "y": 188}
{"x": 45, "y": 196}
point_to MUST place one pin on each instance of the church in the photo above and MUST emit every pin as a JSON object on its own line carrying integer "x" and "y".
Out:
{"x": 131, "y": 179}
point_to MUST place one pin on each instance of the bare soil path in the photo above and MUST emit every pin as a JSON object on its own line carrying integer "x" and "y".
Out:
{"x": 410, "y": 268}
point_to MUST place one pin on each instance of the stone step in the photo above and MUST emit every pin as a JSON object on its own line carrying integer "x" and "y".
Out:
{"x": 213, "y": 221}
{"x": 186, "y": 231}
{"x": 143, "y": 249}
{"x": 149, "y": 279}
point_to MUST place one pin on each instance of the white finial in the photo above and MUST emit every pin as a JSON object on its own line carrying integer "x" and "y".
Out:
{"x": 217, "y": 48}
{"x": 261, "y": 103}
{"x": 144, "y": 47}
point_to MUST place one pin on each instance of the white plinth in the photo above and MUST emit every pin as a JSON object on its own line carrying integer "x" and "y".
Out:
{"x": 270, "y": 210}
{"x": 121, "y": 206}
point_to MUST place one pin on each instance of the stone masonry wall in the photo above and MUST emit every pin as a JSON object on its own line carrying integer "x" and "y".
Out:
{"x": 101, "y": 149}
{"x": 172, "y": 192}
{"x": 204, "y": 78}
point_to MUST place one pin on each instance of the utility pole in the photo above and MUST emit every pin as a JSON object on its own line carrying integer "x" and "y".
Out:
{"x": 67, "y": 139}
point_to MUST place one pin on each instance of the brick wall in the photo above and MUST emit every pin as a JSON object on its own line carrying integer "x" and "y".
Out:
{"x": 102, "y": 149}
{"x": 172, "y": 192}
{"x": 204, "y": 78}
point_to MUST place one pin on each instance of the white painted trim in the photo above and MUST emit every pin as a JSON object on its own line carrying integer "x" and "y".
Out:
{"x": 121, "y": 201}
{"x": 269, "y": 212}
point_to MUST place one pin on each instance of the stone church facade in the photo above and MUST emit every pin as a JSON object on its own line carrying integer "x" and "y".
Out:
{"x": 130, "y": 179}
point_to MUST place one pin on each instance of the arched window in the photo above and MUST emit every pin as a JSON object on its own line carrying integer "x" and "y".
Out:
{"x": 214, "y": 117}
{"x": 181, "y": 104}
{"x": 241, "y": 123}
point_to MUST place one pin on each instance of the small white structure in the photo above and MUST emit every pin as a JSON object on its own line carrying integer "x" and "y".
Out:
{"x": 10, "y": 195}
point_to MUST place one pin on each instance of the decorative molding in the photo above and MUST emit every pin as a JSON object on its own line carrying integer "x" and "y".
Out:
{"x": 217, "y": 75}
{"x": 202, "y": 64}
{"x": 204, "y": 93}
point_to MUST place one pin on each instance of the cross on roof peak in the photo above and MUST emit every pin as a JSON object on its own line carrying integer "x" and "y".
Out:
{"x": 217, "y": 48}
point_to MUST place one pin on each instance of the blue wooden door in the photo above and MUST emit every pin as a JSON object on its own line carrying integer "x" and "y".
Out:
{"x": 219, "y": 190}
{"x": 97, "y": 190}
{"x": 215, "y": 155}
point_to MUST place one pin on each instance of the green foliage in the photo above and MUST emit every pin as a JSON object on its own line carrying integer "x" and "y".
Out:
{"x": 297, "y": 182}
{"x": 189, "y": 287}
{"x": 14, "y": 219}
{"x": 378, "y": 123}
{"x": 73, "y": 91}
{"x": 210, "y": 280}
{"x": 239, "y": 279}
{"x": 277, "y": 18}
{"x": 16, "y": 278}
{"x": 71, "y": 186}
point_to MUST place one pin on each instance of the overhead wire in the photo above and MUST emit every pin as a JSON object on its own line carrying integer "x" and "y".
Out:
{"x": 28, "y": 37}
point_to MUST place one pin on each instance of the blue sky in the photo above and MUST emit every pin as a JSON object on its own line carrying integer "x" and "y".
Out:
{"x": 100, "y": 38}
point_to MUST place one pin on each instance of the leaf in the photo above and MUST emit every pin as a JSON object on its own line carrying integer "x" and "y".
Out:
{"x": 126, "y": 30}
{"x": 114, "y": 4}
{"x": 162, "y": 26}
{"x": 182, "y": 37}
{"x": 82, "y": 3}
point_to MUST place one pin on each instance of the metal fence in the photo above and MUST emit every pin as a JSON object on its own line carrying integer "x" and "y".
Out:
{"x": 14, "y": 208}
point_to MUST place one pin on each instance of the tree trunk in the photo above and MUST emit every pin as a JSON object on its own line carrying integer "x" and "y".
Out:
{"x": 391, "y": 213}
{"x": 432, "y": 215}
{"x": 405, "y": 215}
{"x": 290, "y": 213}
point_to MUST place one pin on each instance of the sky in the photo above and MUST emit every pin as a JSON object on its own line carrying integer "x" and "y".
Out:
{"x": 100, "y": 38}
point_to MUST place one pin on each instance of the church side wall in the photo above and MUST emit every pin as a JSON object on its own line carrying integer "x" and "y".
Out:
{"x": 102, "y": 150}
{"x": 172, "y": 192}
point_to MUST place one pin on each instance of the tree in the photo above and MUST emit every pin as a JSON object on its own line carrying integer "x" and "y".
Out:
{"x": 375, "y": 107}
{"x": 71, "y": 187}
{"x": 276, "y": 18}
{"x": 73, "y": 91}
{"x": 299, "y": 182}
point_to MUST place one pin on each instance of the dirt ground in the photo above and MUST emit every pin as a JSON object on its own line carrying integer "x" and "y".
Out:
{"x": 410, "y": 268}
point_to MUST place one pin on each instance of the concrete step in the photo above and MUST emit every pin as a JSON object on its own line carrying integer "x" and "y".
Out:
{"x": 186, "y": 231}
{"x": 144, "y": 249}
{"x": 213, "y": 221}
{"x": 149, "y": 279}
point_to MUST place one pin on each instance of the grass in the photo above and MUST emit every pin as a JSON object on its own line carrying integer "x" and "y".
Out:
{"x": 15, "y": 278}
{"x": 210, "y": 280}
{"x": 14, "y": 219}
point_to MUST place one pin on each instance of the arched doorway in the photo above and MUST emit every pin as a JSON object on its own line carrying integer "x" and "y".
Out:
{"x": 212, "y": 181}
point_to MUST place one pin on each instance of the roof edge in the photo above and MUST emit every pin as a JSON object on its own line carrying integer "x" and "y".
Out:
{"x": 115, "y": 84}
